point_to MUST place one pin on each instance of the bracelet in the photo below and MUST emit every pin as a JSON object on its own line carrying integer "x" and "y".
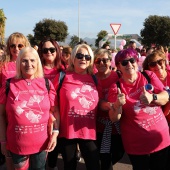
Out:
{"x": 55, "y": 131}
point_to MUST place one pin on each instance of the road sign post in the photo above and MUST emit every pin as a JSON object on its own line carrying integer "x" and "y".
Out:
{"x": 115, "y": 28}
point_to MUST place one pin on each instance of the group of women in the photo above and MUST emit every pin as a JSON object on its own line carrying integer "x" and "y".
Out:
{"x": 103, "y": 113}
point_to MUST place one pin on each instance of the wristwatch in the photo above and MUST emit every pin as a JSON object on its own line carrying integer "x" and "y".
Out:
{"x": 155, "y": 96}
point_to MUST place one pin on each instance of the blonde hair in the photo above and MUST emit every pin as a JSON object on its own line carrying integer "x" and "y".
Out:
{"x": 73, "y": 55}
{"x": 13, "y": 37}
{"x": 16, "y": 36}
{"x": 33, "y": 52}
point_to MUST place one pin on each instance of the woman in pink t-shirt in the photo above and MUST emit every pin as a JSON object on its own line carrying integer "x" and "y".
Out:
{"x": 156, "y": 62}
{"x": 24, "y": 113}
{"x": 78, "y": 101}
{"x": 15, "y": 43}
{"x": 50, "y": 55}
{"x": 144, "y": 129}
{"x": 108, "y": 133}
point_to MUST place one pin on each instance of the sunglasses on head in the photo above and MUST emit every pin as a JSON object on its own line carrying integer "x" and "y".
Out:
{"x": 20, "y": 46}
{"x": 81, "y": 56}
{"x": 51, "y": 49}
{"x": 154, "y": 63}
{"x": 125, "y": 62}
{"x": 104, "y": 60}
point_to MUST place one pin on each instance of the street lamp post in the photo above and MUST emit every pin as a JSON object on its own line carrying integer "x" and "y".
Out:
{"x": 79, "y": 20}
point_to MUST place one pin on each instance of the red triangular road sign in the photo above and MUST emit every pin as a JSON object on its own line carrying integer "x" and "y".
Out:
{"x": 115, "y": 27}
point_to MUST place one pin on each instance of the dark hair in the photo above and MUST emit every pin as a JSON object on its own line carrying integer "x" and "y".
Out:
{"x": 67, "y": 50}
{"x": 105, "y": 45}
{"x": 81, "y": 42}
{"x": 56, "y": 45}
{"x": 131, "y": 42}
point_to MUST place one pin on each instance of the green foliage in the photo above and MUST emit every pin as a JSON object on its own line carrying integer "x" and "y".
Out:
{"x": 2, "y": 26}
{"x": 74, "y": 41}
{"x": 156, "y": 30}
{"x": 57, "y": 30}
{"x": 100, "y": 36}
{"x": 31, "y": 39}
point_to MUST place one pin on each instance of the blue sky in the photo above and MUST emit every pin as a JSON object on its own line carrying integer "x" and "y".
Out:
{"x": 95, "y": 15}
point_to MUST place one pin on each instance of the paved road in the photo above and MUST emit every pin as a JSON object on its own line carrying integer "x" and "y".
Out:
{"x": 123, "y": 164}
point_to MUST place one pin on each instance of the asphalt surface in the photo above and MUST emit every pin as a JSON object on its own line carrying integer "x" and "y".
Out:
{"x": 123, "y": 164}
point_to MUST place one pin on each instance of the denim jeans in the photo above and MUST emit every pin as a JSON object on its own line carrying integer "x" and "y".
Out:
{"x": 37, "y": 161}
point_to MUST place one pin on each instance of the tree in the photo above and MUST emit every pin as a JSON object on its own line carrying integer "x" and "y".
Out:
{"x": 100, "y": 36}
{"x": 57, "y": 30}
{"x": 156, "y": 30}
{"x": 74, "y": 41}
{"x": 31, "y": 39}
{"x": 2, "y": 26}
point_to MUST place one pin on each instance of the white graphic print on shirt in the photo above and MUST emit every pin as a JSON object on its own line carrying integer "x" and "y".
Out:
{"x": 84, "y": 96}
{"x": 32, "y": 115}
{"x": 146, "y": 123}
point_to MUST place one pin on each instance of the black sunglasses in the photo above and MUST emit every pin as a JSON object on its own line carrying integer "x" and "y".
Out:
{"x": 104, "y": 60}
{"x": 125, "y": 62}
{"x": 154, "y": 63}
{"x": 80, "y": 56}
{"x": 20, "y": 46}
{"x": 51, "y": 49}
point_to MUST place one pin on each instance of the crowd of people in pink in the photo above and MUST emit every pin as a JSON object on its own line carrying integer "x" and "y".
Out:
{"x": 83, "y": 103}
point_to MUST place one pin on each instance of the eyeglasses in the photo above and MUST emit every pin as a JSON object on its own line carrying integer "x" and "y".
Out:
{"x": 80, "y": 56}
{"x": 104, "y": 60}
{"x": 45, "y": 50}
{"x": 154, "y": 63}
{"x": 20, "y": 46}
{"x": 125, "y": 62}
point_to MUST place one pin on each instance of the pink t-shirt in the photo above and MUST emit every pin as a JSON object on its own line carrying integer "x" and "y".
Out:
{"x": 144, "y": 128}
{"x": 78, "y": 104}
{"x": 27, "y": 110}
{"x": 8, "y": 71}
{"x": 102, "y": 115}
{"x": 167, "y": 83}
{"x": 50, "y": 73}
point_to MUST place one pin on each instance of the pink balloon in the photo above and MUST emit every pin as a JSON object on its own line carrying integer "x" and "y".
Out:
{"x": 113, "y": 60}
{"x": 140, "y": 47}
{"x": 121, "y": 47}
{"x": 140, "y": 62}
{"x": 123, "y": 42}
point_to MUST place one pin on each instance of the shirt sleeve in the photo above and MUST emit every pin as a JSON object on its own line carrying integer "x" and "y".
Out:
{"x": 156, "y": 83}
